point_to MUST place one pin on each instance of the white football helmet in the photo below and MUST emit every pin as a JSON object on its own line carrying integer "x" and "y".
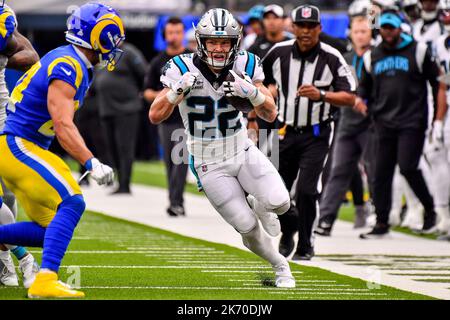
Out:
{"x": 386, "y": 4}
{"x": 359, "y": 8}
{"x": 444, "y": 16}
{"x": 429, "y": 15}
{"x": 218, "y": 23}
{"x": 408, "y": 3}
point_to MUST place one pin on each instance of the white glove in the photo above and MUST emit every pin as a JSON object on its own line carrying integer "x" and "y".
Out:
{"x": 100, "y": 172}
{"x": 185, "y": 83}
{"x": 244, "y": 88}
{"x": 438, "y": 132}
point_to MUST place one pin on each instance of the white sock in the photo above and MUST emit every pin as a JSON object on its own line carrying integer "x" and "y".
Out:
{"x": 6, "y": 215}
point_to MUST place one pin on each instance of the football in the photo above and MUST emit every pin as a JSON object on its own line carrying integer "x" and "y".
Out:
{"x": 242, "y": 104}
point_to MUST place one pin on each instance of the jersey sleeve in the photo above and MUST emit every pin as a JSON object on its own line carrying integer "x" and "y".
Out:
{"x": 249, "y": 63}
{"x": 64, "y": 70}
{"x": 8, "y": 24}
{"x": 171, "y": 73}
{"x": 258, "y": 75}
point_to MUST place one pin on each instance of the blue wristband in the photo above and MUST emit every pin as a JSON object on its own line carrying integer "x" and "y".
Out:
{"x": 88, "y": 164}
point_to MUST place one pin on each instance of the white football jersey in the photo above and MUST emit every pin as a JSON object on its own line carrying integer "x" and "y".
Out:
{"x": 428, "y": 33}
{"x": 214, "y": 127}
{"x": 442, "y": 52}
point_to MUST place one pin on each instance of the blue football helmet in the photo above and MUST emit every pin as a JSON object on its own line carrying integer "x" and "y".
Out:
{"x": 97, "y": 27}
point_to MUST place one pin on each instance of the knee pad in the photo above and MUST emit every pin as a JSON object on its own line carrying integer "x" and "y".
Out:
{"x": 278, "y": 201}
{"x": 283, "y": 208}
{"x": 244, "y": 226}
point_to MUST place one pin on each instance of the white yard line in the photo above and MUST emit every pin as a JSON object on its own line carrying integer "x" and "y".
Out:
{"x": 147, "y": 205}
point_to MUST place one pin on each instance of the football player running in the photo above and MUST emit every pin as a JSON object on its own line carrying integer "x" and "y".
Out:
{"x": 226, "y": 162}
{"x": 16, "y": 52}
{"x": 42, "y": 106}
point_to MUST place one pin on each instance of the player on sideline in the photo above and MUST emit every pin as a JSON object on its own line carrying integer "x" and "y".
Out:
{"x": 227, "y": 164}
{"x": 41, "y": 107}
{"x": 16, "y": 52}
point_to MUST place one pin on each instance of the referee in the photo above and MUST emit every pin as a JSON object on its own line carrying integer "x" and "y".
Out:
{"x": 304, "y": 70}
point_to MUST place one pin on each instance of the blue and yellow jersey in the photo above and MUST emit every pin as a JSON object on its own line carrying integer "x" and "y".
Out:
{"x": 7, "y": 25}
{"x": 27, "y": 113}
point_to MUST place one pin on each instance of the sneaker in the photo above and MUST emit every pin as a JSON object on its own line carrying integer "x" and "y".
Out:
{"x": 444, "y": 220}
{"x": 286, "y": 244}
{"x": 175, "y": 211}
{"x": 283, "y": 276}
{"x": 29, "y": 268}
{"x": 121, "y": 192}
{"x": 378, "y": 232}
{"x": 8, "y": 275}
{"x": 303, "y": 256}
{"x": 269, "y": 220}
{"x": 361, "y": 214}
{"x": 413, "y": 218}
{"x": 395, "y": 218}
{"x": 323, "y": 229}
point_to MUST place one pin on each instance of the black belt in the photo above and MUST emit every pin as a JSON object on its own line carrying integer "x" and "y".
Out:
{"x": 315, "y": 129}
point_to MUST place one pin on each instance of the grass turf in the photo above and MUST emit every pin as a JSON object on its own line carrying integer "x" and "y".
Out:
{"x": 117, "y": 259}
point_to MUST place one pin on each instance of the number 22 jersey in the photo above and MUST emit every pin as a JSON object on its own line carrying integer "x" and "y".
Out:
{"x": 214, "y": 128}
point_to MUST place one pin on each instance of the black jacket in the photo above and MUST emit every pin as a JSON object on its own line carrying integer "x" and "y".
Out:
{"x": 395, "y": 83}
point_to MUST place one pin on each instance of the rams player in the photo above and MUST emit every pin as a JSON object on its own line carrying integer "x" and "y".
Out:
{"x": 16, "y": 52}
{"x": 226, "y": 162}
{"x": 41, "y": 107}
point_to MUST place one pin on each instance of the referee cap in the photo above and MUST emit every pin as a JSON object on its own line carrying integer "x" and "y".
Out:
{"x": 306, "y": 13}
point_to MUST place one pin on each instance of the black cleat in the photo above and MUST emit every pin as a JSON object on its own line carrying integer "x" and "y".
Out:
{"x": 120, "y": 191}
{"x": 380, "y": 231}
{"x": 176, "y": 211}
{"x": 429, "y": 223}
{"x": 303, "y": 256}
{"x": 286, "y": 244}
{"x": 323, "y": 229}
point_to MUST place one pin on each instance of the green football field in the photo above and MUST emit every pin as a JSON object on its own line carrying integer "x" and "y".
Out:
{"x": 116, "y": 259}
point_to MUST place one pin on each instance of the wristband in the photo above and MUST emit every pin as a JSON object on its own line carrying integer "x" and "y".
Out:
{"x": 172, "y": 96}
{"x": 258, "y": 99}
{"x": 251, "y": 119}
{"x": 322, "y": 95}
{"x": 89, "y": 164}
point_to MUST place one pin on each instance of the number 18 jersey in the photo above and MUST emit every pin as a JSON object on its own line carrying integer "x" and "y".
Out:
{"x": 214, "y": 128}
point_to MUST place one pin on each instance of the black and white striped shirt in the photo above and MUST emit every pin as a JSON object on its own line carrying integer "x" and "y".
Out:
{"x": 288, "y": 68}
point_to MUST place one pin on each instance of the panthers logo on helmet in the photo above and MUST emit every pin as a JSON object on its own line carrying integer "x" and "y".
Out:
{"x": 97, "y": 27}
